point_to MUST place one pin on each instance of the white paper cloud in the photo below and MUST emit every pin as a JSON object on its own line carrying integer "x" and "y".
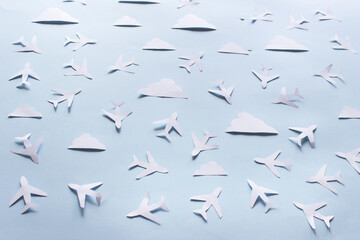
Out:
{"x": 280, "y": 43}
{"x": 246, "y": 123}
{"x": 55, "y": 16}
{"x": 25, "y": 111}
{"x": 210, "y": 169}
{"x": 127, "y": 21}
{"x": 157, "y": 44}
{"x": 348, "y": 112}
{"x": 164, "y": 88}
{"x": 231, "y": 47}
{"x": 86, "y": 142}
{"x": 192, "y": 22}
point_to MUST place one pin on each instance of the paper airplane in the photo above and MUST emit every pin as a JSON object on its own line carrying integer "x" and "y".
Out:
{"x": 265, "y": 78}
{"x": 55, "y": 16}
{"x": 127, "y": 21}
{"x": 170, "y": 123}
{"x": 164, "y": 88}
{"x": 261, "y": 192}
{"x": 233, "y": 48}
{"x": 30, "y": 150}
{"x": 150, "y": 167}
{"x": 86, "y": 142}
{"x": 324, "y": 180}
{"x": 351, "y": 157}
{"x": 246, "y": 123}
{"x": 78, "y": 70}
{"x": 261, "y": 16}
{"x": 145, "y": 210}
{"x": 25, "y": 74}
{"x": 80, "y": 41}
{"x": 280, "y": 43}
{"x": 310, "y": 212}
{"x": 223, "y": 92}
{"x": 304, "y": 133}
{"x": 117, "y": 116}
{"x": 87, "y": 190}
{"x": 327, "y": 15}
{"x": 348, "y": 112}
{"x": 325, "y": 74}
{"x": 192, "y": 60}
{"x": 25, "y": 192}
{"x": 343, "y": 45}
{"x": 210, "y": 169}
{"x": 25, "y": 111}
{"x": 65, "y": 95}
{"x": 288, "y": 99}
{"x": 158, "y": 45}
{"x": 83, "y": 2}
{"x": 27, "y": 46}
{"x": 299, "y": 23}
{"x": 139, "y": 1}
{"x": 123, "y": 66}
{"x": 183, "y": 3}
{"x": 271, "y": 163}
{"x": 210, "y": 200}
{"x": 194, "y": 23}
{"x": 201, "y": 145}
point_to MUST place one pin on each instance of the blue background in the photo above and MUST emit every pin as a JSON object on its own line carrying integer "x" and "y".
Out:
{"x": 59, "y": 216}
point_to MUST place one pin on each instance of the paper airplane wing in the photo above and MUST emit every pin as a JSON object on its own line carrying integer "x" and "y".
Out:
{"x": 258, "y": 75}
{"x": 144, "y": 203}
{"x": 273, "y": 169}
{"x": 310, "y": 219}
{"x": 37, "y": 145}
{"x": 79, "y": 45}
{"x": 23, "y": 152}
{"x": 322, "y": 171}
{"x": 176, "y": 126}
{"x": 58, "y": 91}
{"x": 356, "y": 151}
{"x": 195, "y": 140}
{"x": 36, "y": 191}
{"x": 318, "y": 205}
{"x": 328, "y": 68}
{"x": 80, "y": 36}
{"x": 92, "y": 185}
{"x": 269, "y": 191}
{"x": 216, "y": 92}
{"x": 34, "y": 75}
{"x": 110, "y": 115}
{"x": 199, "y": 65}
{"x": 18, "y": 195}
{"x": 253, "y": 199}
{"x": 311, "y": 139}
{"x": 274, "y": 155}
{"x": 216, "y": 205}
{"x": 81, "y": 197}
{"x": 150, "y": 158}
{"x": 186, "y": 57}
{"x": 151, "y": 217}
{"x": 296, "y": 129}
{"x": 200, "y": 198}
{"x": 119, "y": 61}
{"x": 144, "y": 173}
{"x": 70, "y": 100}
{"x": 16, "y": 75}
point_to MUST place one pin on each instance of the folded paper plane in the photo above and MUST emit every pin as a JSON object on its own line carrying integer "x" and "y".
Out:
{"x": 25, "y": 111}
{"x": 27, "y": 46}
{"x": 342, "y": 44}
{"x": 271, "y": 163}
{"x": 246, "y": 123}
{"x": 55, "y": 16}
{"x": 324, "y": 180}
{"x": 80, "y": 41}
{"x": 223, "y": 92}
{"x": 304, "y": 133}
{"x": 265, "y": 78}
{"x": 25, "y": 74}
{"x": 352, "y": 157}
{"x": 78, "y": 70}
{"x": 210, "y": 200}
{"x": 83, "y": 191}
{"x": 310, "y": 212}
{"x": 123, "y": 66}
{"x": 195, "y": 23}
{"x": 280, "y": 43}
{"x": 117, "y": 117}
{"x": 157, "y": 44}
{"x": 261, "y": 192}
{"x": 201, "y": 145}
{"x": 298, "y": 24}
{"x": 348, "y": 112}
{"x": 261, "y": 16}
{"x": 210, "y": 169}
{"x": 150, "y": 167}
{"x": 196, "y": 59}
{"x": 31, "y": 150}
{"x": 233, "y": 48}
{"x": 65, "y": 95}
{"x": 325, "y": 74}
{"x": 288, "y": 99}
{"x": 327, "y": 15}
{"x": 164, "y": 88}
{"x": 86, "y": 142}
{"x": 170, "y": 123}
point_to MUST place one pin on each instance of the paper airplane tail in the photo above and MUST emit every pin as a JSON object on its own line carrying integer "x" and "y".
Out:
{"x": 297, "y": 140}
{"x": 134, "y": 163}
{"x": 302, "y": 19}
{"x": 268, "y": 206}
{"x": 54, "y": 102}
{"x": 165, "y": 135}
{"x": 28, "y": 206}
{"x": 19, "y": 41}
{"x": 340, "y": 76}
{"x": 133, "y": 62}
{"x": 298, "y": 94}
{"x": 162, "y": 205}
{"x": 338, "y": 177}
{"x": 67, "y": 41}
{"x": 99, "y": 198}
{"x": 186, "y": 67}
{"x": 202, "y": 213}
{"x": 327, "y": 220}
{"x": 287, "y": 164}
{"x": 209, "y": 135}
{"x": 24, "y": 83}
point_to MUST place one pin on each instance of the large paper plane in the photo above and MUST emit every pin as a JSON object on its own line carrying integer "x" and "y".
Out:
{"x": 310, "y": 212}
{"x": 80, "y": 41}
{"x": 65, "y": 95}
{"x": 87, "y": 190}
{"x": 325, "y": 74}
{"x": 27, "y": 46}
{"x": 123, "y": 66}
{"x": 117, "y": 117}
{"x": 288, "y": 99}
{"x": 170, "y": 123}
{"x": 351, "y": 157}
{"x": 327, "y": 15}
{"x": 265, "y": 78}
{"x": 25, "y": 74}
{"x": 150, "y": 167}
{"x": 323, "y": 180}
{"x": 261, "y": 192}
{"x": 304, "y": 133}
{"x": 343, "y": 45}
{"x": 30, "y": 150}
{"x": 201, "y": 145}
{"x": 271, "y": 163}
{"x": 196, "y": 59}
{"x": 210, "y": 200}
{"x": 78, "y": 70}
{"x": 223, "y": 92}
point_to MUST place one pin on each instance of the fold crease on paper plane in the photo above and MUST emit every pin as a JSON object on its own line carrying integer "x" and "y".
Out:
{"x": 233, "y": 48}
{"x": 55, "y": 16}
{"x": 246, "y": 123}
{"x": 157, "y": 44}
{"x": 192, "y": 22}
{"x": 280, "y": 43}
{"x": 210, "y": 169}
{"x": 164, "y": 88}
{"x": 86, "y": 142}
{"x": 25, "y": 111}
{"x": 348, "y": 112}
{"x": 127, "y": 21}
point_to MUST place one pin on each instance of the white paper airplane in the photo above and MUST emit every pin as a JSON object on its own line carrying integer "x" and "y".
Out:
{"x": 261, "y": 16}
{"x": 65, "y": 95}
{"x": 26, "y": 191}
{"x": 299, "y": 23}
{"x": 323, "y": 180}
{"x": 288, "y": 99}
{"x": 83, "y": 2}
{"x": 30, "y": 150}
{"x": 310, "y": 212}
{"x": 170, "y": 123}
{"x": 192, "y": 60}
{"x": 80, "y": 41}
{"x": 261, "y": 192}
{"x": 87, "y": 190}
{"x": 325, "y": 74}
{"x": 25, "y": 74}
{"x": 210, "y": 200}
{"x": 349, "y": 113}
{"x": 201, "y": 145}
{"x": 78, "y": 70}
{"x": 27, "y": 46}
{"x": 145, "y": 210}
{"x": 265, "y": 77}
{"x": 183, "y": 3}
{"x": 150, "y": 167}
{"x": 223, "y": 92}
{"x": 351, "y": 157}
{"x": 304, "y": 133}
{"x": 271, "y": 163}
{"x": 328, "y": 15}
{"x": 117, "y": 116}
{"x": 342, "y": 45}
{"x": 123, "y": 66}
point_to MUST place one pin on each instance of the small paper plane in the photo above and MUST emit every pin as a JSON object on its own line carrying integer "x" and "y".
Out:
{"x": 342, "y": 45}
{"x": 271, "y": 163}
{"x": 351, "y": 157}
{"x": 299, "y": 24}
{"x": 323, "y": 180}
{"x": 78, "y": 70}
{"x": 65, "y": 95}
{"x": 87, "y": 190}
{"x": 170, "y": 123}
{"x": 261, "y": 16}
{"x": 200, "y": 146}
{"x": 183, "y": 3}
{"x": 145, "y": 210}
{"x": 123, "y": 66}
{"x": 27, "y": 46}
{"x": 30, "y": 150}
{"x": 117, "y": 116}
{"x": 150, "y": 167}
{"x": 304, "y": 132}
{"x": 288, "y": 99}
{"x": 192, "y": 60}
{"x": 25, "y": 74}
{"x": 210, "y": 200}
{"x": 328, "y": 15}
{"x": 310, "y": 212}
{"x": 224, "y": 92}
{"x": 265, "y": 78}
{"x": 26, "y": 191}
{"x": 261, "y": 192}
{"x": 80, "y": 41}
{"x": 325, "y": 74}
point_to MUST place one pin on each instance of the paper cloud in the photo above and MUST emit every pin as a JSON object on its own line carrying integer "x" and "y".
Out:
{"x": 55, "y": 16}
{"x": 192, "y": 22}
{"x": 348, "y": 112}
{"x": 280, "y": 43}
{"x": 164, "y": 88}
{"x": 210, "y": 169}
{"x": 86, "y": 142}
{"x": 231, "y": 47}
{"x": 158, "y": 45}
{"x": 25, "y": 111}
{"x": 127, "y": 21}
{"x": 246, "y": 123}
